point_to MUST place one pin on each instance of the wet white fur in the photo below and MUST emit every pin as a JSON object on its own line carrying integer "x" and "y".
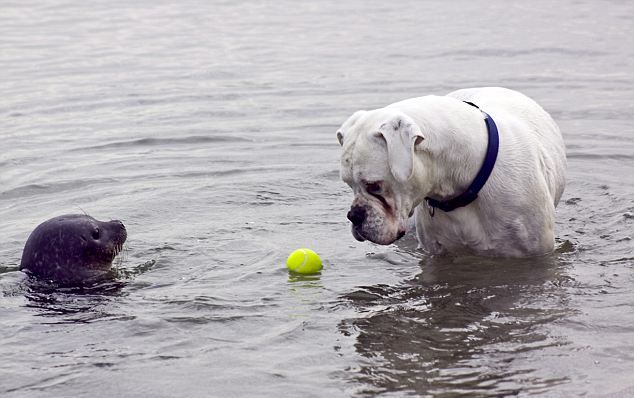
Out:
{"x": 434, "y": 146}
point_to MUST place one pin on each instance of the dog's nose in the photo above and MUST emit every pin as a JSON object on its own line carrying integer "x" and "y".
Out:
{"x": 357, "y": 215}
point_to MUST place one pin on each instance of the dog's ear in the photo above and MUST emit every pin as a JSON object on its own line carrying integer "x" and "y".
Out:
{"x": 340, "y": 137}
{"x": 351, "y": 120}
{"x": 401, "y": 135}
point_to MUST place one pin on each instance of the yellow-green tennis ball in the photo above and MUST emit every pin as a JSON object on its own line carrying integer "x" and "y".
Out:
{"x": 304, "y": 261}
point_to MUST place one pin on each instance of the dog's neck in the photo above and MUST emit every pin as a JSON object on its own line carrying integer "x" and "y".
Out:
{"x": 453, "y": 156}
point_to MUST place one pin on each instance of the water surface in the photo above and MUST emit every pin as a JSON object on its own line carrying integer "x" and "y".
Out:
{"x": 209, "y": 129}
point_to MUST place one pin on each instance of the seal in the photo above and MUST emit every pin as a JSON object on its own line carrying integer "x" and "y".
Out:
{"x": 73, "y": 248}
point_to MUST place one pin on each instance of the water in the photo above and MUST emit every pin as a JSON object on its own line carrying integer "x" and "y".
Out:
{"x": 209, "y": 129}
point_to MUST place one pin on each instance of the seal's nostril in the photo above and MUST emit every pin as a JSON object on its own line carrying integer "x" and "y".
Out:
{"x": 357, "y": 215}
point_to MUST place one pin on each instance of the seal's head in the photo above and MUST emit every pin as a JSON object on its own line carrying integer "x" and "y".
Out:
{"x": 73, "y": 248}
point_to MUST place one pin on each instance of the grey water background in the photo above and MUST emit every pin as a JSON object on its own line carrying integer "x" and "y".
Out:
{"x": 209, "y": 129}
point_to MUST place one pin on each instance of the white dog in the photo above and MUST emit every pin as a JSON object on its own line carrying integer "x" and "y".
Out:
{"x": 423, "y": 155}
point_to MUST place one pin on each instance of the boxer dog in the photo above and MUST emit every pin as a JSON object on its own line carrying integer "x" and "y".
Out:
{"x": 480, "y": 169}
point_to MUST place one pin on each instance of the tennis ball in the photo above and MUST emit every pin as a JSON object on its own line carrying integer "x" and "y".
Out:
{"x": 304, "y": 261}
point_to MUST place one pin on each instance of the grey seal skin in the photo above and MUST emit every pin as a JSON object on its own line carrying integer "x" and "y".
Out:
{"x": 73, "y": 248}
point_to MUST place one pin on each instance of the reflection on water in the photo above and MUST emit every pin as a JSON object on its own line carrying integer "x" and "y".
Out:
{"x": 73, "y": 304}
{"x": 459, "y": 325}
{"x": 79, "y": 303}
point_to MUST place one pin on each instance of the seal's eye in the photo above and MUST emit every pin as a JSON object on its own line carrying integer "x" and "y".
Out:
{"x": 95, "y": 234}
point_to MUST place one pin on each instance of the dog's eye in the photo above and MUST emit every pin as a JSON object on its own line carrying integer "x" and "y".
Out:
{"x": 373, "y": 187}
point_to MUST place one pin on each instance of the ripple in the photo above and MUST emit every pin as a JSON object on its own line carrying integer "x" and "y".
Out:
{"x": 30, "y": 190}
{"x": 171, "y": 141}
{"x": 508, "y": 52}
{"x": 597, "y": 156}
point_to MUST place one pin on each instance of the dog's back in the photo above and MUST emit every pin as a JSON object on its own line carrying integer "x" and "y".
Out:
{"x": 511, "y": 106}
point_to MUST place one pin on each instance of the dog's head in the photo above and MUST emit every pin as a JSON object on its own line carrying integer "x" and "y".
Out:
{"x": 378, "y": 163}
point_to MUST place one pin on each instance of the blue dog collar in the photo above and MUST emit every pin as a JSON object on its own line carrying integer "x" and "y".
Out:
{"x": 480, "y": 179}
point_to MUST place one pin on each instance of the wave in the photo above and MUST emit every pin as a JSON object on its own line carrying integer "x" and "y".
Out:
{"x": 171, "y": 141}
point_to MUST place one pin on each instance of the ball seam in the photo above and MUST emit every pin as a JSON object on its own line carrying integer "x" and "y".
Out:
{"x": 305, "y": 259}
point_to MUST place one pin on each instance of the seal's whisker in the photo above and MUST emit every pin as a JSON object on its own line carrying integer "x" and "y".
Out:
{"x": 117, "y": 249}
{"x": 83, "y": 211}
{"x": 122, "y": 252}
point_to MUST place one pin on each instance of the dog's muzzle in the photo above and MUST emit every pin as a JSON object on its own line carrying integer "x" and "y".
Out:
{"x": 357, "y": 215}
